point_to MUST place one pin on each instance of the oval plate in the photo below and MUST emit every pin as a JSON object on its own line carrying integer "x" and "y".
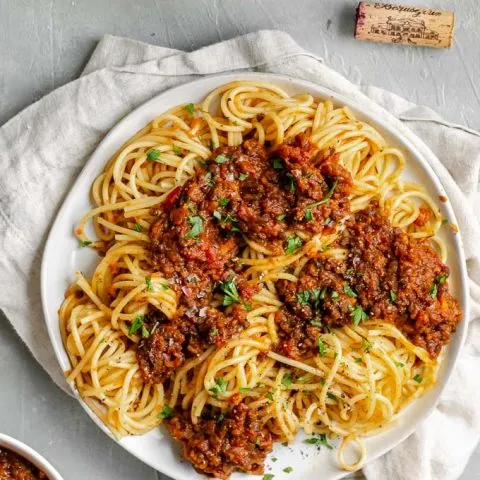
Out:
{"x": 156, "y": 448}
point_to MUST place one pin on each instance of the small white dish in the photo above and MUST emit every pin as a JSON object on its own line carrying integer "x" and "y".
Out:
{"x": 62, "y": 258}
{"x": 29, "y": 454}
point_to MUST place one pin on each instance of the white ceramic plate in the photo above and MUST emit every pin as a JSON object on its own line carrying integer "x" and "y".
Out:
{"x": 29, "y": 454}
{"x": 62, "y": 257}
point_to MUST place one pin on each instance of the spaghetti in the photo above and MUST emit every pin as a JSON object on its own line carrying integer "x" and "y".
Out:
{"x": 357, "y": 376}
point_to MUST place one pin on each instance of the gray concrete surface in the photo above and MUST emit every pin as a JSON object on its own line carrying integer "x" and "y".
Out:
{"x": 46, "y": 43}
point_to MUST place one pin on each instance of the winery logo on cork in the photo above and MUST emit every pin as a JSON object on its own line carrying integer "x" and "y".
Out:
{"x": 405, "y": 25}
{"x": 405, "y": 30}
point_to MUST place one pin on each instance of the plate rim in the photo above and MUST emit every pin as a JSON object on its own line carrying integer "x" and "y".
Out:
{"x": 390, "y": 124}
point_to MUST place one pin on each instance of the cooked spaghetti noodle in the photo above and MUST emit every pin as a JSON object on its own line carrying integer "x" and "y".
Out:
{"x": 362, "y": 375}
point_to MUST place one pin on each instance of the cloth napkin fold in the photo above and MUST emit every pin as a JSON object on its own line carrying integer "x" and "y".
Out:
{"x": 43, "y": 149}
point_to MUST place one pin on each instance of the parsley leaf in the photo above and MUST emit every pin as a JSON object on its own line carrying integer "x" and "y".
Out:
{"x": 357, "y": 359}
{"x": 393, "y": 296}
{"x": 85, "y": 243}
{"x": 149, "y": 283}
{"x": 359, "y": 315}
{"x": 208, "y": 179}
{"x": 434, "y": 290}
{"x": 418, "y": 378}
{"x": 293, "y": 243}
{"x": 138, "y": 324}
{"x": 287, "y": 379}
{"x": 166, "y": 412}
{"x": 137, "y": 227}
{"x": 269, "y": 396}
{"x": 221, "y": 159}
{"x": 223, "y": 202}
{"x": 399, "y": 364}
{"x": 268, "y": 476}
{"x": 291, "y": 182}
{"x": 366, "y": 345}
{"x": 308, "y": 215}
{"x": 190, "y": 108}
{"x": 243, "y": 176}
{"x": 281, "y": 217}
{"x": 316, "y": 323}
{"x": 349, "y": 291}
{"x": 335, "y": 296}
{"x": 277, "y": 164}
{"x": 325, "y": 199}
{"x": 303, "y": 379}
{"x": 332, "y": 396}
{"x": 442, "y": 279}
{"x": 303, "y": 297}
{"x": 219, "y": 388}
{"x": 320, "y": 440}
{"x": 177, "y": 150}
{"x": 244, "y": 389}
{"x": 196, "y": 224}
{"x": 322, "y": 348}
{"x": 288, "y": 470}
{"x": 153, "y": 155}
{"x": 231, "y": 295}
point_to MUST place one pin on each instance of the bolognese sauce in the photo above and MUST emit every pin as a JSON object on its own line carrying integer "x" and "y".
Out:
{"x": 245, "y": 192}
{"x": 15, "y": 467}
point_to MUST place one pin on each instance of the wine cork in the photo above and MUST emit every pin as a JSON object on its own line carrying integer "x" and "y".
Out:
{"x": 407, "y": 25}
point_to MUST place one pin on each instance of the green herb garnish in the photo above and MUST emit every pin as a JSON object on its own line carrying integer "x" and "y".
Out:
{"x": 196, "y": 224}
{"x": 359, "y": 315}
{"x": 281, "y": 217}
{"x": 287, "y": 379}
{"x": 149, "y": 283}
{"x": 291, "y": 182}
{"x": 293, "y": 243}
{"x": 223, "y": 202}
{"x": 288, "y": 470}
{"x": 244, "y": 389}
{"x": 325, "y": 199}
{"x": 221, "y": 159}
{"x": 322, "y": 348}
{"x": 399, "y": 364}
{"x": 393, "y": 296}
{"x": 166, "y": 412}
{"x": 137, "y": 227}
{"x": 219, "y": 388}
{"x": 229, "y": 289}
{"x": 138, "y": 324}
{"x": 243, "y": 176}
{"x": 177, "y": 150}
{"x": 418, "y": 378}
{"x": 277, "y": 164}
{"x": 349, "y": 291}
{"x": 434, "y": 290}
{"x": 190, "y": 108}
{"x": 320, "y": 440}
{"x": 85, "y": 243}
{"x": 153, "y": 155}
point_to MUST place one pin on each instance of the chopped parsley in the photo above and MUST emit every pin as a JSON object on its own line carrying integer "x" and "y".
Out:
{"x": 177, "y": 150}
{"x": 434, "y": 290}
{"x": 223, "y": 202}
{"x": 349, "y": 291}
{"x": 316, "y": 323}
{"x": 442, "y": 279}
{"x": 277, "y": 164}
{"x": 85, "y": 243}
{"x": 358, "y": 315}
{"x": 164, "y": 286}
{"x": 166, "y": 412}
{"x": 214, "y": 332}
{"x": 322, "y": 348}
{"x": 231, "y": 295}
{"x": 190, "y": 108}
{"x": 325, "y": 199}
{"x": 444, "y": 221}
{"x": 418, "y": 378}
{"x": 138, "y": 324}
{"x": 320, "y": 440}
{"x": 208, "y": 179}
{"x": 273, "y": 459}
{"x": 393, "y": 296}
{"x": 243, "y": 176}
{"x": 219, "y": 388}
{"x": 221, "y": 159}
{"x": 303, "y": 297}
{"x": 153, "y": 155}
{"x": 291, "y": 182}
{"x": 287, "y": 379}
{"x": 220, "y": 418}
{"x": 357, "y": 359}
{"x": 308, "y": 215}
{"x": 196, "y": 224}
{"x": 303, "y": 379}
{"x": 281, "y": 217}
{"x": 335, "y": 296}
{"x": 332, "y": 396}
{"x": 137, "y": 227}
{"x": 293, "y": 243}
{"x": 366, "y": 346}
{"x": 288, "y": 470}
{"x": 269, "y": 396}
{"x": 244, "y": 389}
{"x": 149, "y": 283}
{"x": 268, "y": 476}
{"x": 399, "y": 364}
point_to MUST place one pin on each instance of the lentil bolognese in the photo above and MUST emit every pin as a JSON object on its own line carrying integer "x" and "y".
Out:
{"x": 265, "y": 269}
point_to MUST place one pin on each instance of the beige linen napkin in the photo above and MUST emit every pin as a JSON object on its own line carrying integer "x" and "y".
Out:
{"x": 43, "y": 149}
